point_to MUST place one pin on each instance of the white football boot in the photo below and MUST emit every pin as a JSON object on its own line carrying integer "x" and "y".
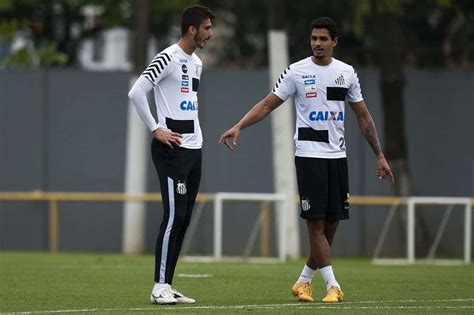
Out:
{"x": 181, "y": 299}
{"x": 162, "y": 294}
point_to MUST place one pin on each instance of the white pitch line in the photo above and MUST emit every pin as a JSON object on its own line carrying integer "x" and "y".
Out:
{"x": 267, "y": 306}
{"x": 189, "y": 275}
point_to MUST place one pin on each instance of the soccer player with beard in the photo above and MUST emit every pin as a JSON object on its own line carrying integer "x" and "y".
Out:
{"x": 321, "y": 85}
{"x": 174, "y": 75}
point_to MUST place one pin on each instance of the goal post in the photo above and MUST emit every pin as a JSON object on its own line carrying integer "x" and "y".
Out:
{"x": 222, "y": 197}
{"x": 411, "y": 203}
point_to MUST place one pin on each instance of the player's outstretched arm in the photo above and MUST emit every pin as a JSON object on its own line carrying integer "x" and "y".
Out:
{"x": 367, "y": 126}
{"x": 256, "y": 114}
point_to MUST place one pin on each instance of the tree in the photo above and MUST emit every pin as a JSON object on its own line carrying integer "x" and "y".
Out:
{"x": 142, "y": 33}
{"x": 389, "y": 59}
{"x": 392, "y": 81}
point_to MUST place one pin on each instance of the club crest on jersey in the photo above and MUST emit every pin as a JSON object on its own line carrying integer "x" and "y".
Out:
{"x": 181, "y": 188}
{"x": 188, "y": 105}
{"x": 184, "y": 68}
{"x": 326, "y": 116}
{"x": 340, "y": 80}
{"x": 305, "y": 206}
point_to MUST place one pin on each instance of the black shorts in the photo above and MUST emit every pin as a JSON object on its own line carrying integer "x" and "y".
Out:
{"x": 323, "y": 186}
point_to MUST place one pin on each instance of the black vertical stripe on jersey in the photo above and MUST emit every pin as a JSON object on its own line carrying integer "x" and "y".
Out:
{"x": 180, "y": 126}
{"x": 195, "y": 84}
{"x": 336, "y": 93}
{"x": 309, "y": 134}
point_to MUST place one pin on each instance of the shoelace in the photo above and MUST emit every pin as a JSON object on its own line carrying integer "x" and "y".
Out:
{"x": 306, "y": 289}
{"x": 166, "y": 293}
{"x": 334, "y": 291}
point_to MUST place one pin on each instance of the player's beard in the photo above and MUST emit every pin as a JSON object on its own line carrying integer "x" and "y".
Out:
{"x": 319, "y": 54}
{"x": 198, "y": 41}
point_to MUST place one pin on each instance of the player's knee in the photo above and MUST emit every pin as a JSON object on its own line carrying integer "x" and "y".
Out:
{"x": 187, "y": 220}
{"x": 331, "y": 224}
{"x": 179, "y": 219}
{"x": 316, "y": 226}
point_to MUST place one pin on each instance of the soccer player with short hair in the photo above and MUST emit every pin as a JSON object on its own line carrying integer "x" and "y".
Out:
{"x": 321, "y": 85}
{"x": 174, "y": 76}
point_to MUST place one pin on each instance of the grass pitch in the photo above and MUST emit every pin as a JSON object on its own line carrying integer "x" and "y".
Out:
{"x": 41, "y": 283}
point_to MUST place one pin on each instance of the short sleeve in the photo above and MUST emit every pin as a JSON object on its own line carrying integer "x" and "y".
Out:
{"x": 285, "y": 85}
{"x": 159, "y": 68}
{"x": 354, "y": 94}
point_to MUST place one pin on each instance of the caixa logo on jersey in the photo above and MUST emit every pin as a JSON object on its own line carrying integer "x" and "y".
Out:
{"x": 326, "y": 116}
{"x": 188, "y": 105}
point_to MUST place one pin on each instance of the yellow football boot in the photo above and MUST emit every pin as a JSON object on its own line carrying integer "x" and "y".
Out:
{"x": 333, "y": 295}
{"x": 303, "y": 292}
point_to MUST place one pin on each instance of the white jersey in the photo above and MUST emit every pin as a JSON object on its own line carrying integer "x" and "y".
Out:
{"x": 175, "y": 76}
{"x": 320, "y": 94}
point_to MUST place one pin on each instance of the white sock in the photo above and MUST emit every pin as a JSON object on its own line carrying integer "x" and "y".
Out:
{"x": 306, "y": 275}
{"x": 160, "y": 286}
{"x": 329, "y": 278}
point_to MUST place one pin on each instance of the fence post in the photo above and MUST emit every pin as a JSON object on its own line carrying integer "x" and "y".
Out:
{"x": 53, "y": 225}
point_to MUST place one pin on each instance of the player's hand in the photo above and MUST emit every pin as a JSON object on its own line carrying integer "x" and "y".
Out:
{"x": 170, "y": 138}
{"x": 383, "y": 170}
{"x": 231, "y": 133}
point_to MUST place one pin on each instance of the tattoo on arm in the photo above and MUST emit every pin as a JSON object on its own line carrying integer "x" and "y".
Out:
{"x": 370, "y": 133}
